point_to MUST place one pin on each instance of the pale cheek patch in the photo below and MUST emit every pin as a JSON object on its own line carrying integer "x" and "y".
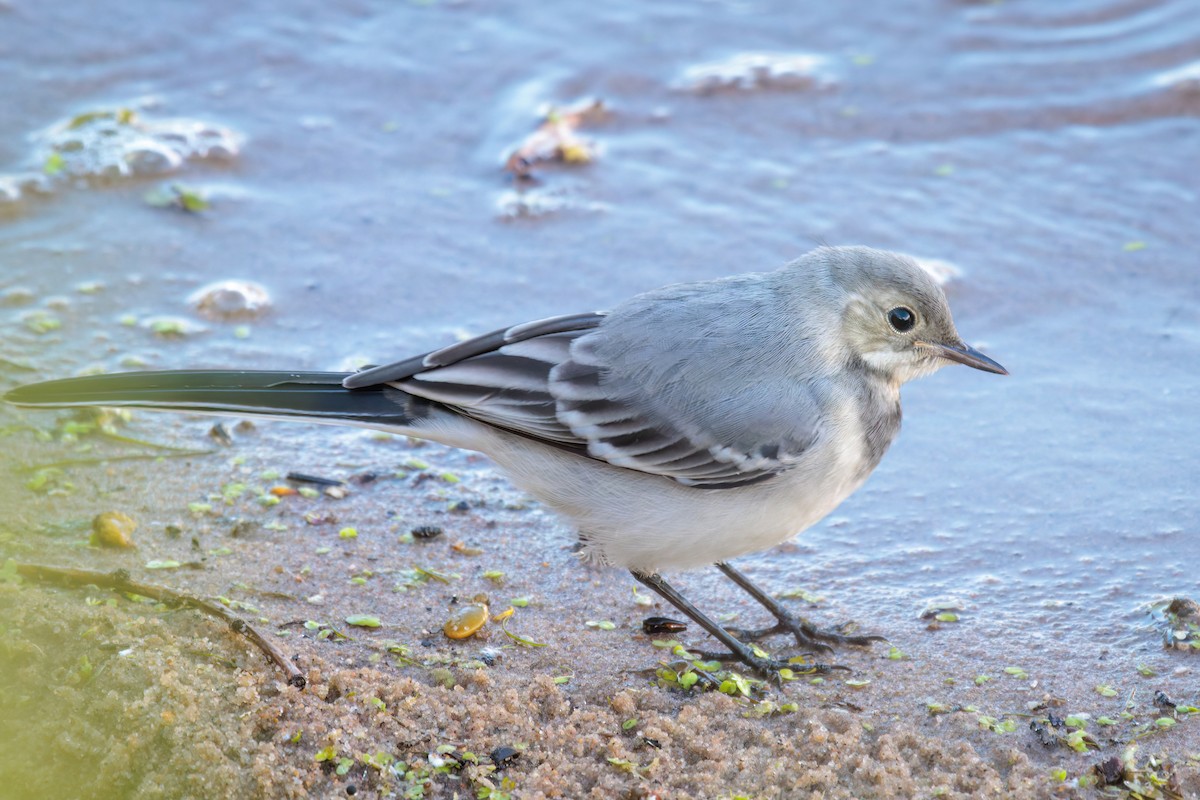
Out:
{"x": 888, "y": 361}
{"x": 904, "y": 366}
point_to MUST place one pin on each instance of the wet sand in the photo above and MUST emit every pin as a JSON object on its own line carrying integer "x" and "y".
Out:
{"x": 171, "y": 704}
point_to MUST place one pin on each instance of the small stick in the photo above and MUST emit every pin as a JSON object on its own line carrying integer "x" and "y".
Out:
{"x": 119, "y": 581}
{"x": 85, "y": 462}
{"x": 300, "y": 477}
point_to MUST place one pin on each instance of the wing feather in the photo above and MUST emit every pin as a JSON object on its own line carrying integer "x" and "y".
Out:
{"x": 546, "y": 380}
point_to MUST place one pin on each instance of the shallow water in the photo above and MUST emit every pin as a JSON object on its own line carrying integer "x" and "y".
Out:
{"x": 1046, "y": 150}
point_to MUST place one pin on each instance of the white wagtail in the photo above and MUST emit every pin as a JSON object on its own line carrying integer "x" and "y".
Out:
{"x": 687, "y": 426}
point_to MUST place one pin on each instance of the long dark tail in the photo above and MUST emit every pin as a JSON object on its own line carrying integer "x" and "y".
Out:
{"x": 318, "y": 396}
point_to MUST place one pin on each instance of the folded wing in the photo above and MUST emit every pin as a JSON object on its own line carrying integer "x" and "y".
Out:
{"x": 544, "y": 380}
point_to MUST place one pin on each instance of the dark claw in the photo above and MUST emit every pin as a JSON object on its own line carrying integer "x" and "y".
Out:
{"x": 807, "y": 635}
{"x": 772, "y": 664}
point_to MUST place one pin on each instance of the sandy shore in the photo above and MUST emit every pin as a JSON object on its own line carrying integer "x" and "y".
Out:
{"x": 107, "y": 696}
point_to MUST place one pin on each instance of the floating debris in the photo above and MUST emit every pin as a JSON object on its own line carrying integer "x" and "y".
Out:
{"x": 122, "y": 142}
{"x": 170, "y": 327}
{"x": 178, "y": 196}
{"x": 39, "y": 321}
{"x": 752, "y": 71}
{"x": 1178, "y": 621}
{"x": 115, "y": 143}
{"x": 556, "y": 138}
{"x": 229, "y": 300}
{"x": 531, "y": 203}
{"x": 940, "y": 611}
{"x": 113, "y": 529}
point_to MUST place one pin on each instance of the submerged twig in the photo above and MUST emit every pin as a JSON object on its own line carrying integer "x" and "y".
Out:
{"x": 119, "y": 581}
{"x": 300, "y": 477}
{"x": 84, "y": 462}
{"x": 123, "y": 439}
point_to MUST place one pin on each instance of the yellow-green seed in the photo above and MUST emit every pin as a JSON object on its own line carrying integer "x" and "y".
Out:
{"x": 466, "y": 620}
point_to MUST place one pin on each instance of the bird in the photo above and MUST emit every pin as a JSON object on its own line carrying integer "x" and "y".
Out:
{"x": 685, "y": 427}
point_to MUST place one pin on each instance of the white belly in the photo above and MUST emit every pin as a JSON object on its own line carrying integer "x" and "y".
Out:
{"x": 650, "y": 523}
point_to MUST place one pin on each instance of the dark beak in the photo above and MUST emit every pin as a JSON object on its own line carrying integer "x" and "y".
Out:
{"x": 965, "y": 354}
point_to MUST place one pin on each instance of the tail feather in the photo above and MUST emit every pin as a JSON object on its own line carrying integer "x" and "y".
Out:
{"x": 319, "y": 396}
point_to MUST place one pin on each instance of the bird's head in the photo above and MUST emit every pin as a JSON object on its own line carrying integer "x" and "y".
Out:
{"x": 895, "y": 317}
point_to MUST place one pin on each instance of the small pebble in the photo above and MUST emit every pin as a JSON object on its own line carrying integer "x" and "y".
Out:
{"x": 231, "y": 300}
{"x": 426, "y": 532}
{"x": 112, "y": 529}
{"x": 502, "y": 756}
{"x": 466, "y": 620}
{"x": 220, "y": 434}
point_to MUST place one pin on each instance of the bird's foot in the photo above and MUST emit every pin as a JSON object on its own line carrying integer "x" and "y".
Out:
{"x": 772, "y": 669}
{"x": 807, "y": 635}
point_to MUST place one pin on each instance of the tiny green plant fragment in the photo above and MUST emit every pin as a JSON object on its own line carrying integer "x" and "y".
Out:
{"x": 523, "y": 641}
{"x": 178, "y": 196}
{"x": 798, "y": 593}
{"x": 8, "y": 574}
{"x": 40, "y": 322}
{"x": 363, "y": 621}
{"x": 54, "y": 164}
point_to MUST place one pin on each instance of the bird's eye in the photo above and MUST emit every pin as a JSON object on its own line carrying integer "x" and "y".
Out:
{"x": 901, "y": 319}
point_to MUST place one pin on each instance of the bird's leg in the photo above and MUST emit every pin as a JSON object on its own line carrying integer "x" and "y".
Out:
{"x": 807, "y": 634}
{"x": 768, "y": 667}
